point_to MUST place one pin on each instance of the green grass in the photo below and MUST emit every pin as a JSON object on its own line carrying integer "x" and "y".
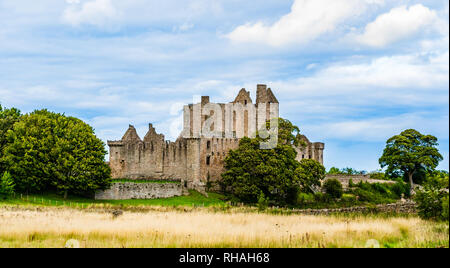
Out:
{"x": 51, "y": 199}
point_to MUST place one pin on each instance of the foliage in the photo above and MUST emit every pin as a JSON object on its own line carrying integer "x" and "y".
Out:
{"x": 378, "y": 193}
{"x": 8, "y": 117}
{"x": 252, "y": 171}
{"x": 6, "y": 185}
{"x": 378, "y": 175}
{"x": 410, "y": 152}
{"x": 305, "y": 198}
{"x": 333, "y": 188}
{"x": 334, "y": 170}
{"x": 345, "y": 171}
{"x": 432, "y": 198}
{"x": 310, "y": 173}
{"x": 262, "y": 202}
{"x": 49, "y": 150}
{"x": 445, "y": 208}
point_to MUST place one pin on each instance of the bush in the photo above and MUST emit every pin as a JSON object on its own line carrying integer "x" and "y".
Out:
{"x": 321, "y": 197}
{"x": 6, "y": 186}
{"x": 333, "y": 188}
{"x": 432, "y": 199}
{"x": 305, "y": 198}
{"x": 445, "y": 215}
{"x": 400, "y": 188}
{"x": 262, "y": 202}
{"x": 349, "y": 199}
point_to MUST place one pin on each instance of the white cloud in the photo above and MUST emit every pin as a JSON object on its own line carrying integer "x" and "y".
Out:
{"x": 400, "y": 78}
{"x": 96, "y": 12}
{"x": 399, "y": 23}
{"x": 307, "y": 20}
{"x": 381, "y": 128}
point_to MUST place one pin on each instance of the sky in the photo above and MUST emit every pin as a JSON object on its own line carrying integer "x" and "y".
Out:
{"x": 349, "y": 73}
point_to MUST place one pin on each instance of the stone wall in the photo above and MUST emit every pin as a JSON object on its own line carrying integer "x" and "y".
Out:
{"x": 407, "y": 207}
{"x": 130, "y": 190}
{"x": 345, "y": 179}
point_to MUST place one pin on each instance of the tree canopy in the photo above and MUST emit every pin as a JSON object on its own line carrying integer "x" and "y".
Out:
{"x": 252, "y": 172}
{"x": 310, "y": 173}
{"x": 8, "y": 117}
{"x": 410, "y": 152}
{"x": 49, "y": 150}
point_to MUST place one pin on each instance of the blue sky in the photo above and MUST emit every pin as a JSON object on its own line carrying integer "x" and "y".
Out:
{"x": 349, "y": 73}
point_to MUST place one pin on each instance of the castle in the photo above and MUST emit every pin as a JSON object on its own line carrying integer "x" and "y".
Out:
{"x": 210, "y": 130}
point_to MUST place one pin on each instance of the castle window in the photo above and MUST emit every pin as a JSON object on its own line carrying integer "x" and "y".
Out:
{"x": 208, "y": 144}
{"x": 208, "y": 160}
{"x": 245, "y": 102}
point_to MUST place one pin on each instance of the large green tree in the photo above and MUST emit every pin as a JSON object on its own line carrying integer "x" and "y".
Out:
{"x": 49, "y": 150}
{"x": 8, "y": 117}
{"x": 252, "y": 172}
{"x": 409, "y": 153}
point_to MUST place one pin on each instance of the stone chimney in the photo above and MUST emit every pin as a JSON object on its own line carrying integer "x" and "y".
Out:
{"x": 205, "y": 100}
{"x": 261, "y": 93}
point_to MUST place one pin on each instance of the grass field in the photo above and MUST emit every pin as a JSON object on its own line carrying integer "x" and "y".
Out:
{"x": 50, "y": 199}
{"x": 53, "y": 226}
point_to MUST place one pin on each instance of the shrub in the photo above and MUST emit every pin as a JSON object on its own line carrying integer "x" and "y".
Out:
{"x": 304, "y": 198}
{"x": 445, "y": 215}
{"x": 400, "y": 188}
{"x": 6, "y": 186}
{"x": 262, "y": 202}
{"x": 321, "y": 197}
{"x": 349, "y": 198}
{"x": 351, "y": 184}
{"x": 432, "y": 199}
{"x": 333, "y": 188}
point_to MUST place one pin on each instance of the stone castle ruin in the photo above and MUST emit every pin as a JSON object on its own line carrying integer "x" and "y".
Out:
{"x": 210, "y": 130}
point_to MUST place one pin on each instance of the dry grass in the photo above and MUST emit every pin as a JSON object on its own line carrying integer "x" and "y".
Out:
{"x": 52, "y": 227}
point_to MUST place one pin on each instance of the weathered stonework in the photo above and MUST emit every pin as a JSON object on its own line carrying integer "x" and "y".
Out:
{"x": 195, "y": 158}
{"x": 345, "y": 179}
{"x": 130, "y": 190}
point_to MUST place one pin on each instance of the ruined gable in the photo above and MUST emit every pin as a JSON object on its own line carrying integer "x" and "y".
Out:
{"x": 131, "y": 135}
{"x": 243, "y": 97}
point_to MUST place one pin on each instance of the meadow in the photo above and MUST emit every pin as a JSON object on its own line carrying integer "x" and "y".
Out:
{"x": 37, "y": 226}
{"x": 51, "y": 199}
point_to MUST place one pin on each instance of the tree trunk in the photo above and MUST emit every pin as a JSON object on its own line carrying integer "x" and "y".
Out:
{"x": 65, "y": 195}
{"x": 411, "y": 183}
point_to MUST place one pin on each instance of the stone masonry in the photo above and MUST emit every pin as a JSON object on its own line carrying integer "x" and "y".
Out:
{"x": 210, "y": 131}
{"x": 130, "y": 190}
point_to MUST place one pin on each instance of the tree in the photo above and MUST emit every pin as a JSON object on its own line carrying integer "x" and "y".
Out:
{"x": 333, "y": 188}
{"x": 6, "y": 185}
{"x": 8, "y": 117}
{"x": 310, "y": 173}
{"x": 49, "y": 150}
{"x": 409, "y": 152}
{"x": 252, "y": 172}
{"x": 334, "y": 171}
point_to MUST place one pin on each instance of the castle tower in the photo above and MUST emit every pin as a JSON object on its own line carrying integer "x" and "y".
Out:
{"x": 267, "y": 105}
